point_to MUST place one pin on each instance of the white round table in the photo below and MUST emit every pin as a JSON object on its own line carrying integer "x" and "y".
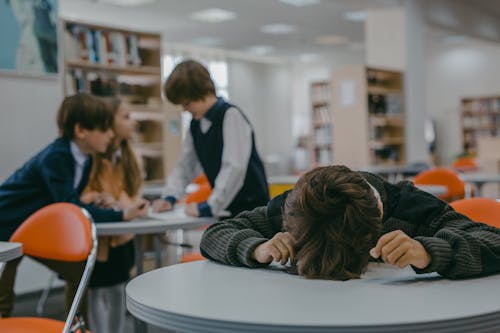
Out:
{"x": 209, "y": 297}
{"x": 10, "y": 251}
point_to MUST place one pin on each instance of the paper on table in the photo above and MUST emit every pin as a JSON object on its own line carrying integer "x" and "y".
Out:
{"x": 177, "y": 212}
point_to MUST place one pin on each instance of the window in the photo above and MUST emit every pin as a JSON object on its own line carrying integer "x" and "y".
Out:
{"x": 218, "y": 70}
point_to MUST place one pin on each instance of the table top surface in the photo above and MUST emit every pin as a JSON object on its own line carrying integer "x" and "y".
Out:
{"x": 480, "y": 177}
{"x": 154, "y": 223}
{"x": 433, "y": 189}
{"x": 205, "y": 296}
{"x": 10, "y": 250}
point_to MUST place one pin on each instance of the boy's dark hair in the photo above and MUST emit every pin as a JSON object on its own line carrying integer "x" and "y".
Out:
{"x": 334, "y": 217}
{"x": 189, "y": 81}
{"x": 88, "y": 111}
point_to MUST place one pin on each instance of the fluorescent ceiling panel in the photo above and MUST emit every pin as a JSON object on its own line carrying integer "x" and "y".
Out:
{"x": 300, "y": 3}
{"x": 278, "y": 29}
{"x": 213, "y": 15}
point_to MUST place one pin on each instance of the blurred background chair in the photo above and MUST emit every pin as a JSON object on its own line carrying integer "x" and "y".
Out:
{"x": 465, "y": 164}
{"x": 479, "y": 209}
{"x": 446, "y": 177}
{"x": 61, "y": 232}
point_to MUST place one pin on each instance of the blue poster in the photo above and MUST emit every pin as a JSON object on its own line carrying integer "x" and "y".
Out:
{"x": 28, "y": 36}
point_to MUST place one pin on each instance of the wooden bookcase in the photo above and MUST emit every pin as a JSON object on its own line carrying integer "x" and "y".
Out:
{"x": 322, "y": 124}
{"x": 480, "y": 118}
{"x": 368, "y": 107}
{"x": 114, "y": 62}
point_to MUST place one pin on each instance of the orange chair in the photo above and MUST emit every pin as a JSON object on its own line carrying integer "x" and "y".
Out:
{"x": 193, "y": 256}
{"x": 479, "y": 209}
{"x": 444, "y": 177}
{"x": 202, "y": 193}
{"x": 63, "y": 232}
{"x": 465, "y": 164}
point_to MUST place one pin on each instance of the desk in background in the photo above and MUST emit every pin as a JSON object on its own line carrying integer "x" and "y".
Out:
{"x": 9, "y": 251}
{"x": 207, "y": 297}
{"x": 480, "y": 178}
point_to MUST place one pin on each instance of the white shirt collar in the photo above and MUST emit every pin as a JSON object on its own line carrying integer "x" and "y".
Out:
{"x": 79, "y": 156}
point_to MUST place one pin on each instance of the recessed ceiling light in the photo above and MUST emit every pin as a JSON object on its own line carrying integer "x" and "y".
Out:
{"x": 453, "y": 39}
{"x": 213, "y": 15}
{"x": 331, "y": 40}
{"x": 260, "y": 49}
{"x": 278, "y": 29}
{"x": 207, "y": 41}
{"x": 300, "y": 3}
{"x": 308, "y": 57}
{"x": 128, "y": 3}
{"x": 356, "y": 16}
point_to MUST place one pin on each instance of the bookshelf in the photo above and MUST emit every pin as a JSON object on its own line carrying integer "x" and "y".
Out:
{"x": 322, "y": 124}
{"x": 369, "y": 117}
{"x": 107, "y": 61}
{"x": 480, "y": 118}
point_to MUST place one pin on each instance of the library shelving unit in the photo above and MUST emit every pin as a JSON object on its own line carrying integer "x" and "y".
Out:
{"x": 108, "y": 61}
{"x": 322, "y": 124}
{"x": 480, "y": 119}
{"x": 368, "y": 107}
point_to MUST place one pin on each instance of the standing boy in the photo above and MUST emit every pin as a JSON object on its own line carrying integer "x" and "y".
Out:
{"x": 59, "y": 173}
{"x": 221, "y": 140}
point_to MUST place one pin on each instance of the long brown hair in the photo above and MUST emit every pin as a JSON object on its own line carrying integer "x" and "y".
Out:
{"x": 127, "y": 164}
{"x": 334, "y": 217}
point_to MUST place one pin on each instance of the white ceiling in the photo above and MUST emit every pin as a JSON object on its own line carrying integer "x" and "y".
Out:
{"x": 171, "y": 17}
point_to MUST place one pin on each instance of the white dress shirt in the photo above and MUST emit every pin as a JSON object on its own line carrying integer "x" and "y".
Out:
{"x": 80, "y": 159}
{"x": 237, "y": 138}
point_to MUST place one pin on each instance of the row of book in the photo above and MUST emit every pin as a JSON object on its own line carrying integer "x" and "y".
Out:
{"x": 103, "y": 47}
{"x": 482, "y": 105}
{"x": 78, "y": 80}
{"x": 321, "y": 116}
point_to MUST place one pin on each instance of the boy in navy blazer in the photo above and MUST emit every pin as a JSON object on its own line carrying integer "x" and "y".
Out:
{"x": 59, "y": 173}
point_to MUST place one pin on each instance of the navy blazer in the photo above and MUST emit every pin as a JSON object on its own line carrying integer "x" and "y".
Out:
{"x": 46, "y": 178}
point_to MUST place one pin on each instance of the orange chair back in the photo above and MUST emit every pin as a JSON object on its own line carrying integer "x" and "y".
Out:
{"x": 200, "y": 179}
{"x": 193, "y": 256}
{"x": 444, "y": 177}
{"x": 479, "y": 209}
{"x": 464, "y": 164}
{"x": 55, "y": 232}
{"x": 201, "y": 194}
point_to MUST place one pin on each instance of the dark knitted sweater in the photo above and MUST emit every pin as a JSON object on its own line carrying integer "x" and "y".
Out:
{"x": 458, "y": 246}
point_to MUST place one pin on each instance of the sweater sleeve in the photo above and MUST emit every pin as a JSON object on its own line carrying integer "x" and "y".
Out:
{"x": 232, "y": 241}
{"x": 58, "y": 178}
{"x": 461, "y": 248}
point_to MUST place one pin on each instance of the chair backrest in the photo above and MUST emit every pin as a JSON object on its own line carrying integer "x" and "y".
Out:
{"x": 479, "y": 209}
{"x": 444, "y": 177}
{"x": 63, "y": 232}
{"x": 202, "y": 193}
{"x": 465, "y": 164}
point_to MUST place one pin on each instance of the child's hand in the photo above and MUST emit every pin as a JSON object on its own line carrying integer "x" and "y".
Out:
{"x": 398, "y": 249}
{"x": 105, "y": 200}
{"x": 279, "y": 248}
{"x": 192, "y": 209}
{"x": 137, "y": 210}
{"x": 161, "y": 205}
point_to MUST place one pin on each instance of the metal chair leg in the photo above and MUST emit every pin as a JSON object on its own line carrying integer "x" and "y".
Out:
{"x": 45, "y": 294}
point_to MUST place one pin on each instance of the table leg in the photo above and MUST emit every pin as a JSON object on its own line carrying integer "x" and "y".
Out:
{"x": 158, "y": 251}
{"x": 139, "y": 326}
{"x": 180, "y": 240}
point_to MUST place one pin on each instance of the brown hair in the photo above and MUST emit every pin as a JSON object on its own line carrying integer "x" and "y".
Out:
{"x": 189, "y": 81}
{"x": 88, "y": 111}
{"x": 126, "y": 166}
{"x": 334, "y": 217}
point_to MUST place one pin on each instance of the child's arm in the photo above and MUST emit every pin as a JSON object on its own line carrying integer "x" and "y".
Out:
{"x": 236, "y": 153}
{"x": 58, "y": 177}
{"x": 457, "y": 246}
{"x": 234, "y": 240}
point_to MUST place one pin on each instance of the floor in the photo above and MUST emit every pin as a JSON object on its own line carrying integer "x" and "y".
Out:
{"x": 54, "y": 308}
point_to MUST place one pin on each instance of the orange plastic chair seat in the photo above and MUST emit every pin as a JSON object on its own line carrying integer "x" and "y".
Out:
{"x": 188, "y": 257}
{"x": 479, "y": 209}
{"x": 445, "y": 177}
{"x": 30, "y": 325}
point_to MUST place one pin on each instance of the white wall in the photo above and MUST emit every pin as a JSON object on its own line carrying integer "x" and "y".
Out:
{"x": 467, "y": 69}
